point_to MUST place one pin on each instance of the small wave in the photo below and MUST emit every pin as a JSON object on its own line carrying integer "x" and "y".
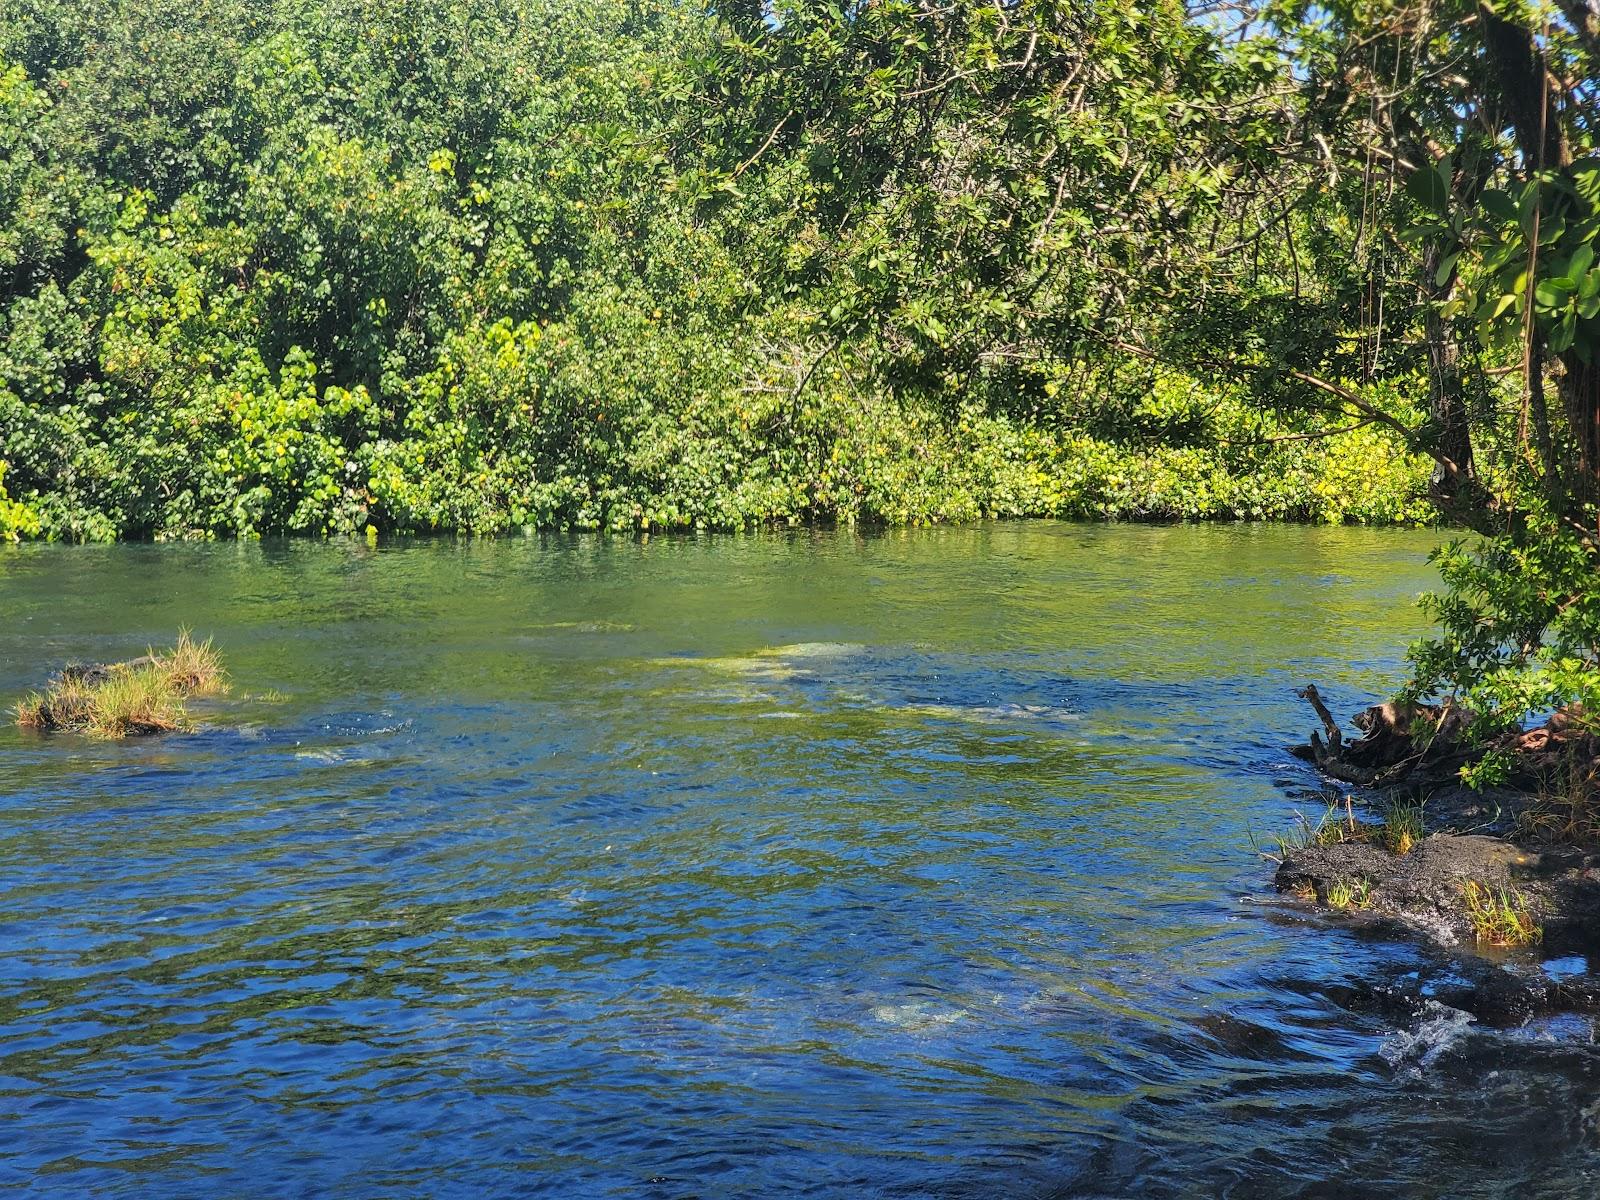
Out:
{"x": 989, "y": 714}
{"x": 815, "y": 650}
{"x": 584, "y": 626}
{"x": 755, "y": 668}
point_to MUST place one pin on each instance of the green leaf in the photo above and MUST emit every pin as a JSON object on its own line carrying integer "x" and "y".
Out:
{"x": 1447, "y": 267}
{"x": 1499, "y": 205}
{"x": 1562, "y": 336}
{"x": 1586, "y": 182}
{"x": 1427, "y": 231}
{"x": 1427, "y": 189}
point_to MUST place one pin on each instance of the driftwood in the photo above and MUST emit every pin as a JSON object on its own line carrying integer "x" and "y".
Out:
{"x": 1398, "y": 743}
{"x": 1563, "y": 752}
{"x": 1428, "y": 743}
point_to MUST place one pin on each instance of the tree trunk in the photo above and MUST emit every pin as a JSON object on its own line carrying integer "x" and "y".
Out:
{"x": 1580, "y": 398}
{"x": 1532, "y": 101}
{"x": 1447, "y": 403}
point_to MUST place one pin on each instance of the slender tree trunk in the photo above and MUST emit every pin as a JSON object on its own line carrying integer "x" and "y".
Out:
{"x": 1554, "y": 476}
{"x": 1579, "y": 389}
{"x": 1448, "y": 405}
{"x": 1533, "y": 103}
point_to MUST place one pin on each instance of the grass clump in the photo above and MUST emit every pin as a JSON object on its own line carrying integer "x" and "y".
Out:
{"x": 1565, "y": 804}
{"x": 1350, "y": 894}
{"x": 1501, "y": 916}
{"x": 146, "y": 695}
{"x": 1402, "y": 827}
{"x": 1332, "y": 829}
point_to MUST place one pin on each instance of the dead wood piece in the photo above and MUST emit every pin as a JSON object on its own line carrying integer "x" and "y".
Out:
{"x": 1398, "y": 741}
{"x": 1313, "y": 697}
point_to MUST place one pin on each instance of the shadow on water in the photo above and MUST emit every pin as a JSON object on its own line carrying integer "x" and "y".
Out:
{"x": 813, "y": 864}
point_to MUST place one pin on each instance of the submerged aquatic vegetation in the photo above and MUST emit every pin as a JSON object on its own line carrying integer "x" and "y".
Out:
{"x": 1501, "y": 916}
{"x": 143, "y": 696}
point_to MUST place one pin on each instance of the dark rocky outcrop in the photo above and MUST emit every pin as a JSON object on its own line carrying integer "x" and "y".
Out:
{"x": 1478, "y": 842}
{"x": 1423, "y": 891}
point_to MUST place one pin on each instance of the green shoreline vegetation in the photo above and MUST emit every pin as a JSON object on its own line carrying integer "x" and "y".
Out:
{"x": 312, "y": 268}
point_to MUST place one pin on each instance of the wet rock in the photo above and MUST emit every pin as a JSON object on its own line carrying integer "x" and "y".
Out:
{"x": 92, "y": 674}
{"x": 1426, "y": 888}
{"x": 1409, "y": 758}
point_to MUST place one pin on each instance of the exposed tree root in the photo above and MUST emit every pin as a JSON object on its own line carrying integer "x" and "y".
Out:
{"x": 1398, "y": 743}
{"x": 1428, "y": 744}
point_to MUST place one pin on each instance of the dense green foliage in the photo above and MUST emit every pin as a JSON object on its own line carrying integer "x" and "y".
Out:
{"x": 486, "y": 264}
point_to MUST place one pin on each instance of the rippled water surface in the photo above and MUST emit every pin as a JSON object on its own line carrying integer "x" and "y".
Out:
{"x": 906, "y": 865}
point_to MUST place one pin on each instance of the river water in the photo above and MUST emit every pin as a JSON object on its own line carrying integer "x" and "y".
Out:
{"x": 915, "y": 864}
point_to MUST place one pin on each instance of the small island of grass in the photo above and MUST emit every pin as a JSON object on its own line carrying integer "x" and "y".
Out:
{"x": 127, "y": 699}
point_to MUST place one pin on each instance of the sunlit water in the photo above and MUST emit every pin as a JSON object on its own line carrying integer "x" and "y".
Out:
{"x": 906, "y": 865}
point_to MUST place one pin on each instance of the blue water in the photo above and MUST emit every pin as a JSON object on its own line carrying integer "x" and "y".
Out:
{"x": 814, "y": 865}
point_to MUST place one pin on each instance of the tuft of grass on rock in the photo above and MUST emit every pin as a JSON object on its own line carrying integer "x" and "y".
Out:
{"x": 1565, "y": 804}
{"x": 127, "y": 699}
{"x": 1402, "y": 827}
{"x": 1347, "y": 894}
{"x": 1501, "y": 916}
{"x": 1336, "y": 826}
{"x": 192, "y": 668}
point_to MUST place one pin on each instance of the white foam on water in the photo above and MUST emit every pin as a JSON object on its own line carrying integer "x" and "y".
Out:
{"x": 1439, "y": 1028}
{"x": 916, "y": 1016}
